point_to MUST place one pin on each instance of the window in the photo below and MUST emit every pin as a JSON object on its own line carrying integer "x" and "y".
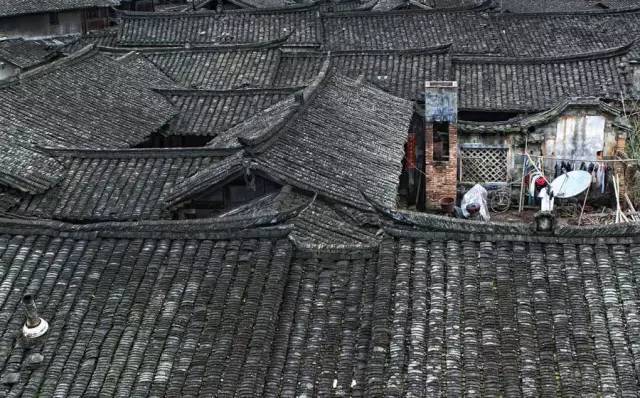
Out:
{"x": 54, "y": 19}
{"x": 441, "y": 142}
{"x": 483, "y": 164}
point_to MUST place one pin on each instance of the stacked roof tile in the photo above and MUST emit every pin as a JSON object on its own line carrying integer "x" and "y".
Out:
{"x": 164, "y": 29}
{"x": 209, "y": 112}
{"x": 115, "y": 184}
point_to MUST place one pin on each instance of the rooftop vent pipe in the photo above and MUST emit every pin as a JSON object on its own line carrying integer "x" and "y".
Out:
{"x": 34, "y": 326}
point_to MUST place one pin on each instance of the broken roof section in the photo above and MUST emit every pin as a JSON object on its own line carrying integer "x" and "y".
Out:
{"x": 86, "y": 100}
{"x": 25, "y": 54}
{"x": 536, "y": 84}
{"x": 17, "y": 7}
{"x": 339, "y": 135}
{"x": 230, "y": 27}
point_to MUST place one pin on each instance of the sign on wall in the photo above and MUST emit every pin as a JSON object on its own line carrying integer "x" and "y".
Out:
{"x": 441, "y": 101}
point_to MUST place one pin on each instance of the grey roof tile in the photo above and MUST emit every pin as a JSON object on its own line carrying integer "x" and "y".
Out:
{"x": 16, "y": 7}
{"x": 210, "y": 112}
{"x": 312, "y": 147}
{"x": 105, "y": 185}
{"x": 230, "y": 27}
{"x": 24, "y": 53}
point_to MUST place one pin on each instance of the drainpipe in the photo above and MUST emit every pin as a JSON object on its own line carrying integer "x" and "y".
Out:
{"x": 34, "y": 326}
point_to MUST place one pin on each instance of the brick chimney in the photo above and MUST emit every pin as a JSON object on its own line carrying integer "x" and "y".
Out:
{"x": 441, "y": 141}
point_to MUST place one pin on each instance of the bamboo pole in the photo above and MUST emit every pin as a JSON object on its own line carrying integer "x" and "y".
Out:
{"x": 584, "y": 203}
{"x": 526, "y": 148}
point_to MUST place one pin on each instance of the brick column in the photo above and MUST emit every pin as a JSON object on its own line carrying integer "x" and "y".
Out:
{"x": 441, "y": 176}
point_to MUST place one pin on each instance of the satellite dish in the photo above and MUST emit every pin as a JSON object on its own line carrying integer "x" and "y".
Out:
{"x": 571, "y": 184}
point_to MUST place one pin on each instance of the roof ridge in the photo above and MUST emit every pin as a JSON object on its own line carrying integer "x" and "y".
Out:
{"x": 193, "y": 228}
{"x": 269, "y": 44}
{"x": 237, "y": 91}
{"x": 439, "y": 49}
{"x": 454, "y": 10}
{"x": 209, "y": 13}
{"x": 78, "y": 56}
{"x": 137, "y": 152}
{"x": 627, "y": 10}
{"x": 592, "y": 55}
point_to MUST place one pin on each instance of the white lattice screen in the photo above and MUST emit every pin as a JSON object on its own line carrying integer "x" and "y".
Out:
{"x": 483, "y": 164}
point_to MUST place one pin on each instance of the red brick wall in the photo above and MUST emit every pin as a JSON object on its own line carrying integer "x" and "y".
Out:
{"x": 442, "y": 176}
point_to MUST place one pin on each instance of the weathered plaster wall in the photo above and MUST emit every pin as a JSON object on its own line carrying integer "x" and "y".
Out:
{"x": 576, "y": 134}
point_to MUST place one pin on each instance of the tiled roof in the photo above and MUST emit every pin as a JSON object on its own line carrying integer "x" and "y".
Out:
{"x": 389, "y": 5}
{"x": 24, "y": 53}
{"x": 324, "y": 145}
{"x": 219, "y": 68}
{"x": 470, "y": 32}
{"x": 475, "y": 33}
{"x": 548, "y": 35}
{"x": 23, "y": 166}
{"x": 86, "y": 100}
{"x": 128, "y": 184}
{"x": 534, "y": 84}
{"x": 230, "y": 27}
{"x": 165, "y": 309}
{"x": 101, "y": 38}
{"x": 209, "y": 112}
{"x": 399, "y": 72}
{"x": 230, "y": 307}
{"x": 523, "y": 6}
{"x": 18, "y": 7}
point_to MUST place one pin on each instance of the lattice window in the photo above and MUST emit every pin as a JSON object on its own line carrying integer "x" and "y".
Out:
{"x": 483, "y": 164}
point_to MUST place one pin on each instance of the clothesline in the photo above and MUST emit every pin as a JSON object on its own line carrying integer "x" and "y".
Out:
{"x": 578, "y": 160}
